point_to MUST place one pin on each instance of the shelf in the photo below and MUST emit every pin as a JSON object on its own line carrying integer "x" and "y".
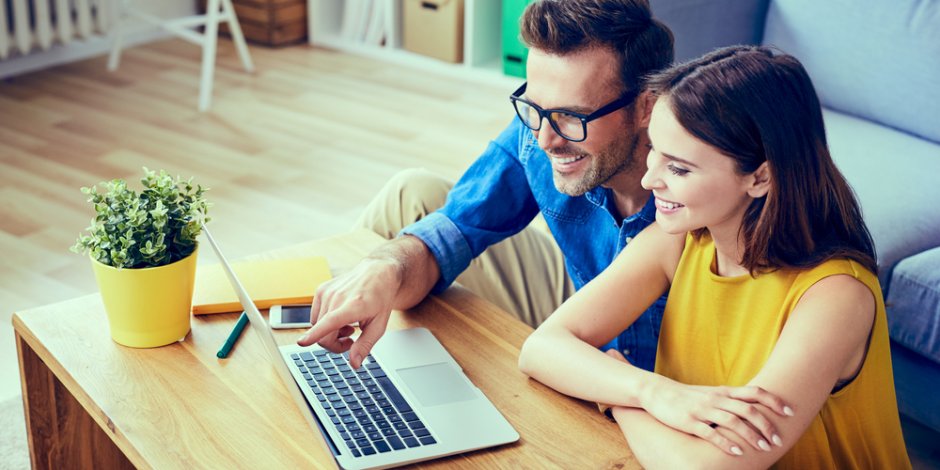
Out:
{"x": 482, "y": 41}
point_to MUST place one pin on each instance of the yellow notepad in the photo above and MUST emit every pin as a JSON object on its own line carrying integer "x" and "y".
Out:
{"x": 268, "y": 282}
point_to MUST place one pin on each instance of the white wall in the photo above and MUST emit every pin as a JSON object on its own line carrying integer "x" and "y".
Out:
{"x": 79, "y": 49}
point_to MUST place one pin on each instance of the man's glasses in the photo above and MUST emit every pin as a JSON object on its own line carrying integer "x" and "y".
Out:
{"x": 568, "y": 124}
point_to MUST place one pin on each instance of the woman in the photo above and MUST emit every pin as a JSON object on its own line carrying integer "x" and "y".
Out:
{"x": 774, "y": 344}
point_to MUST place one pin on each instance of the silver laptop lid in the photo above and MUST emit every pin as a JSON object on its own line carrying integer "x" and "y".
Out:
{"x": 267, "y": 338}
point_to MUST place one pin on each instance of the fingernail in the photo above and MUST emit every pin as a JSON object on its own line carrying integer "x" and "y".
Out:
{"x": 787, "y": 411}
{"x": 763, "y": 445}
{"x": 736, "y": 450}
{"x": 302, "y": 338}
{"x": 777, "y": 440}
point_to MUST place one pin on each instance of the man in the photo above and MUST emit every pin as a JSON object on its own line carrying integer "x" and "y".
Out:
{"x": 575, "y": 153}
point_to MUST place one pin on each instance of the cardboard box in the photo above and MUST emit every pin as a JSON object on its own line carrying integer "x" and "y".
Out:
{"x": 434, "y": 28}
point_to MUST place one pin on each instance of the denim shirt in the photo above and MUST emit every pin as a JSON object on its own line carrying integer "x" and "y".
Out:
{"x": 503, "y": 191}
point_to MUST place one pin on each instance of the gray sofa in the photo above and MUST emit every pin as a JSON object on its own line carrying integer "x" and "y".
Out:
{"x": 876, "y": 67}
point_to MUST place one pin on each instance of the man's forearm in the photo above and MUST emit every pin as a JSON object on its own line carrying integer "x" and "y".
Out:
{"x": 414, "y": 266}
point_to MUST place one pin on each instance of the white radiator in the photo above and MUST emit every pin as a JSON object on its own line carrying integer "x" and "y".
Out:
{"x": 27, "y": 25}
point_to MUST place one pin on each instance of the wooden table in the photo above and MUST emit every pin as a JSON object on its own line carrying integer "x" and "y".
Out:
{"x": 91, "y": 403}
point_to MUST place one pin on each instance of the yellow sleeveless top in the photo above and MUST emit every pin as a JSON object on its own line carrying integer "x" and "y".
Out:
{"x": 721, "y": 330}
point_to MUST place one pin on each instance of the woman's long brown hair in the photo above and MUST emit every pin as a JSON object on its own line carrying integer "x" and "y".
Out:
{"x": 754, "y": 106}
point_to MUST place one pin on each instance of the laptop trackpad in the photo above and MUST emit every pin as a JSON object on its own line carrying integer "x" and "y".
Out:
{"x": 436, "y": 384}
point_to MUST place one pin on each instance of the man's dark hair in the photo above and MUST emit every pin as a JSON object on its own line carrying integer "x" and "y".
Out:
{"x": 643, "y": 44}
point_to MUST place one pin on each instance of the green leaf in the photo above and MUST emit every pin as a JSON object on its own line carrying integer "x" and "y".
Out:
{"x": 131, "y": 229}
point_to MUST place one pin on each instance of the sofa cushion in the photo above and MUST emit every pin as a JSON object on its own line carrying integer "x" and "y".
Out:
{"x": 916, "y": 381}
{"x": 876, "y": 59}
{"x": 914, "y": 304}
{"x": 700, "y": 26}
{"x": 897, "y": 180}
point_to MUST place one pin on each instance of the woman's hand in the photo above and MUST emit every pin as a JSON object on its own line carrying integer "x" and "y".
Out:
{"x": 727, "y": 417}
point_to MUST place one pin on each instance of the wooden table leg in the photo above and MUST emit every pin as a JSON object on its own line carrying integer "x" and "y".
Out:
{"x": 60, "y": 431}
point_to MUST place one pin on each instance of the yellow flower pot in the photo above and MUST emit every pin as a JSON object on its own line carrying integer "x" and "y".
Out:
{"x": 148, "y": 307}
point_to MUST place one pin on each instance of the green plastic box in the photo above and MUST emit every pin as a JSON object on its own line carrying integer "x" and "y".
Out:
{"x": 514, "y": 52}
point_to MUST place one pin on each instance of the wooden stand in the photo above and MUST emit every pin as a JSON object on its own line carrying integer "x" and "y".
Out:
{"x": 270, "y": 22}
{"x": 91, "y": 403}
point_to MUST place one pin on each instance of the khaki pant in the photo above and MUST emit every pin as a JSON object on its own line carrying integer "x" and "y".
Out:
{"x": 524, "y": 274}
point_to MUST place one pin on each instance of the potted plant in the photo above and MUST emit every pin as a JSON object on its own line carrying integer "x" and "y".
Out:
{"x": 143, "y": 252}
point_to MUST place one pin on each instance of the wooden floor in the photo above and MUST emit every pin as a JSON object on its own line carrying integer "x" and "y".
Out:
{"x": 291, "y": 152}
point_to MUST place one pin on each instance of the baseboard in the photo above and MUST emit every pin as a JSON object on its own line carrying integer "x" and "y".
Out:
{"x": 76, "y": 50}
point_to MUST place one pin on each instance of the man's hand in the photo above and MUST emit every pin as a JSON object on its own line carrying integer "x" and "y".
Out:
{"x": 366, "y": 294}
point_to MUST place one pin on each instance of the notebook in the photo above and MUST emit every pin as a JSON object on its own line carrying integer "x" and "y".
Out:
{"x": 409, "y": 402}
{"x": 269, "y": 282}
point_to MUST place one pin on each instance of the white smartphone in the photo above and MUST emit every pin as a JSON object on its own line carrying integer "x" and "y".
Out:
{"x": 289, "y": 316}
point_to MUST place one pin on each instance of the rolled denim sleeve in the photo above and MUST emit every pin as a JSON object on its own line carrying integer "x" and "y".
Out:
{"x": 491, "y": 202}
{"x": 446, "y": 243}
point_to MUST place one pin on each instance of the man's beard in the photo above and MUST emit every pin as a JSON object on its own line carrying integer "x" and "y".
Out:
{"x": 618, "y": 157}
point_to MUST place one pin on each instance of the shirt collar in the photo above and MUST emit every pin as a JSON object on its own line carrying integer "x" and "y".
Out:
{"x": 648, "y": 212}
{"x": 601, "y": 197}
{"x": 597, "y": 196}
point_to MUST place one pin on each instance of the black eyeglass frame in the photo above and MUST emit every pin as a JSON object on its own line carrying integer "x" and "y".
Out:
{"x": 545, "y": 114}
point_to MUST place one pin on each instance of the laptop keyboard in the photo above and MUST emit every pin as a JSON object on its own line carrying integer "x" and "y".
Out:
{"x": 363, "y": 405}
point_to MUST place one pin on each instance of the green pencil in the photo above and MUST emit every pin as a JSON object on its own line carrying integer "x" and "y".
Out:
{"x": 233, "y": 336}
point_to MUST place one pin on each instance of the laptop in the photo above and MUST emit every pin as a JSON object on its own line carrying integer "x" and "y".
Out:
{"x": 410, "y": 401}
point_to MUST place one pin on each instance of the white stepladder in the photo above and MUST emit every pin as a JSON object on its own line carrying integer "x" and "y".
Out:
{"x": 217, "y": 11}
